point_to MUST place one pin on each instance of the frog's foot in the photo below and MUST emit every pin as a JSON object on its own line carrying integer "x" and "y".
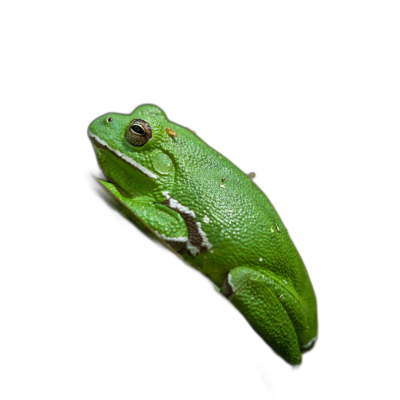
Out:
{"x": 272, "y": 310}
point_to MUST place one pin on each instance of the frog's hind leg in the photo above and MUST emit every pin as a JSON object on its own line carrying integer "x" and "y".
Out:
{"x": 250, "y": 293}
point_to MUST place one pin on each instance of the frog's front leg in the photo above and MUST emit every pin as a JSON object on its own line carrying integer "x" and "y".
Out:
{"x": 273, "y": 312}
{"x": 156, "y": 220}
{"x": 168, "y": 225}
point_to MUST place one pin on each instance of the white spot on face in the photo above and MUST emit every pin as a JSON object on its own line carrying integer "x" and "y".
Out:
{"x": 272, "y": 230}
{"x": 260, "y": 259}
{"x": 211, "y": 251}
{"x": 206, "y": 219}
{"x": 281, "y": 296}
{"x": 223, "y": 186}
{"x": 129, "y": 160}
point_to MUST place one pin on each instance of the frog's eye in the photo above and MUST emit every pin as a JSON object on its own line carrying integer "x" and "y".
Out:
{"x": 138, "y": 132}
{"x": 109, "y": 119}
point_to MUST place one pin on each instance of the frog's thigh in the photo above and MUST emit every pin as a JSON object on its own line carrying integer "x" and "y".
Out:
{"x": 249, "y": 293}
{"x": 168, "y": 226}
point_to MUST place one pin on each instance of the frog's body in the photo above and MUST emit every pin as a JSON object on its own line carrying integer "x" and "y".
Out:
{"x": 214, "y": 216}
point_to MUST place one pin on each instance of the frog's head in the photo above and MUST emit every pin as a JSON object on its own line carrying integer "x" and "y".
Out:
{"x": 128, "y": 148}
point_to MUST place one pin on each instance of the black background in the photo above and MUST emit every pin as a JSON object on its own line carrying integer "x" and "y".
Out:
{"x": 117, "y": 312}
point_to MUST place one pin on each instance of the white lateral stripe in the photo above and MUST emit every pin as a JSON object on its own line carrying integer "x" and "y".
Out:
{"x": 124, "y": 157}
{"x": 175, "y": 205}
{"x": 310, "y": 343}
{"x": 182, "y": 239}
{"x": 178, "y": 206}
{"x": 230, "y": 282}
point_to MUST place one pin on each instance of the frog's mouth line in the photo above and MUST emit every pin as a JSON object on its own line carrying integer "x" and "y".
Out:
{"x": 101, "y": 144}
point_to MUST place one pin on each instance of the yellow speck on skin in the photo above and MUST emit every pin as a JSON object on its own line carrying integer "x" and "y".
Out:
{"x": 170, "y": 132}
{"x": 260, "y": 259}
{"x": 272, "y": 230}
{"x": 222, "y": 186}
{"x": 277, "y": 227}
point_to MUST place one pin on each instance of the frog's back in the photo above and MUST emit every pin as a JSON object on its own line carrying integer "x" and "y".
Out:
{"x": 239, "y": 221}
{"x": 203, "y": 206}
{"x": 237, "y": 217}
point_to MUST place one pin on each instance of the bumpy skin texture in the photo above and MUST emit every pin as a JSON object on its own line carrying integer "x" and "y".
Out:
{"x": 213, "y": 215}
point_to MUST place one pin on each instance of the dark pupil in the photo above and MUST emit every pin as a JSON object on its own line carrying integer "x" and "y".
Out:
{"x": 137, "y": 129}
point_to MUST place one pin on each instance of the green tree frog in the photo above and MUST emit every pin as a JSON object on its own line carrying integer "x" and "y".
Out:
{"x": 202, "y": 207}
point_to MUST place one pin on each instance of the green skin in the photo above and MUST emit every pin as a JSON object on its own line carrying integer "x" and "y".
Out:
{"x": 212, "y": 215}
